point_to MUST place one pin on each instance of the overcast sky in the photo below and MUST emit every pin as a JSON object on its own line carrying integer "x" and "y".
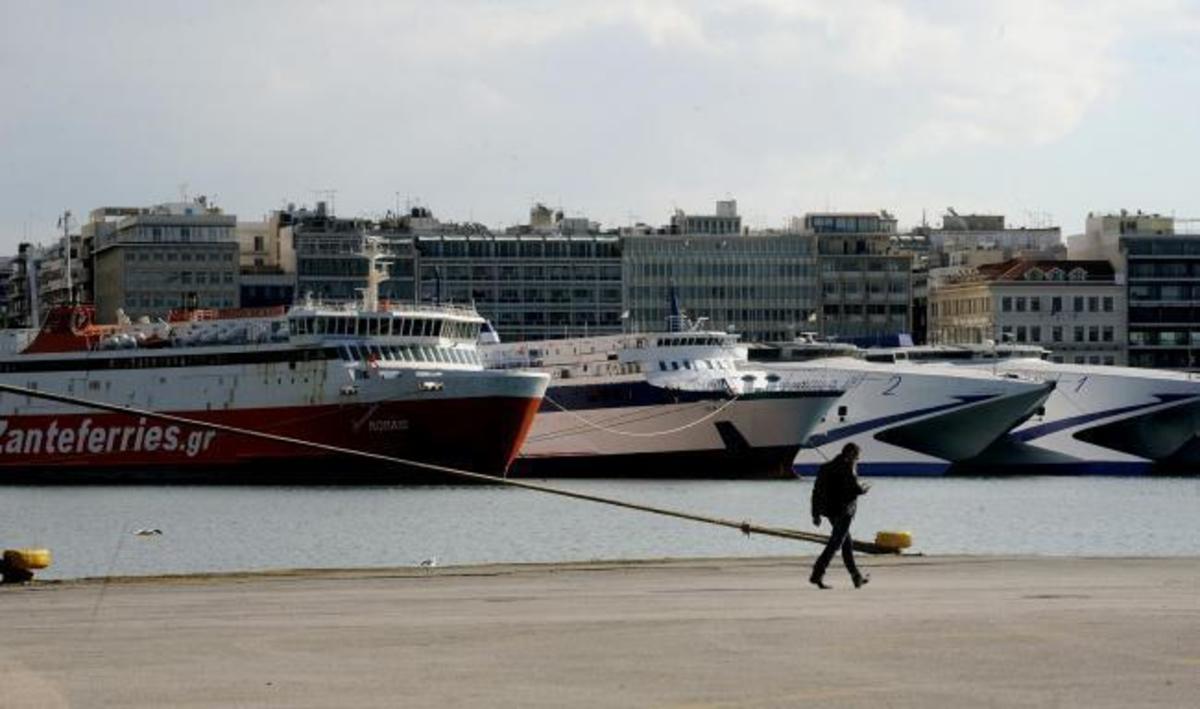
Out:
{"x": 615, "y": 110}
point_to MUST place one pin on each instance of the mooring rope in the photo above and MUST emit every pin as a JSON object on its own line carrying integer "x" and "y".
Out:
{"x": 647, "y": 434}
{"x": 745, "y": 526}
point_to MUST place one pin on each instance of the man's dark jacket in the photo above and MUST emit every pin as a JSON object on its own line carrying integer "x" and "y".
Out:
{"x": 836, "y": 489}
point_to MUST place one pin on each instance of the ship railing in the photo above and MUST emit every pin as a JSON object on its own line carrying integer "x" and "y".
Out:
{"x": 390, "y": 307}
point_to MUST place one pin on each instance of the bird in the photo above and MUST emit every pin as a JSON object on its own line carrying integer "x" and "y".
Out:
{"x": 147, "y": 532}
{"x": 430, "y": 562}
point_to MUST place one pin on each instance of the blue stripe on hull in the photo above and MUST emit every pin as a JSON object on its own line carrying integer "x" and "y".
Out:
{"x": 922, "y": 470}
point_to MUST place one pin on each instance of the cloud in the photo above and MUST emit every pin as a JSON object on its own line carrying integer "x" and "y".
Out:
{"x": 611, "y": 106}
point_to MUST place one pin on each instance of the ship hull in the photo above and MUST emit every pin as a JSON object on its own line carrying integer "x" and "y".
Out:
{"x": 477, "y": 434}
{"x": 638, "y": 430}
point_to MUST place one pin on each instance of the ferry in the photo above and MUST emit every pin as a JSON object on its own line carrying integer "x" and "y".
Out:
{"x": 1100, "y": 419}
{"x": 673, "y": 404}
{"x": 402, "y": 381}
{"x": 906, "y": 420}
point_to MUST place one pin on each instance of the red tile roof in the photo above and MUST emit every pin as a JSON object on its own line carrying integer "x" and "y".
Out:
{"x": 1015, "y": 269}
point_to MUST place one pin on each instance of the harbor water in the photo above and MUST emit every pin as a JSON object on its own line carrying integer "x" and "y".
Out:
{"x": 92, "y": 530}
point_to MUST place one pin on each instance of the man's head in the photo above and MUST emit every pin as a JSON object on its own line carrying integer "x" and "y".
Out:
{"x": 850, "y": 451}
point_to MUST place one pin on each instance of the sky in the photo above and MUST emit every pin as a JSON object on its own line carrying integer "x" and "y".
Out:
{"x": 617, "y": 111}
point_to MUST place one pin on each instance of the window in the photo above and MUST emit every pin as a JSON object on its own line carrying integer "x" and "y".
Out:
{"x": 1006, "y": 304}
{"x": 1020, "y": 304}
{"x": 1093, "y": 304}
{"x": 1035, "y": 304}
{"x": 1056, "y": 333}
{"x": 1107, "y": 335}
{"x": 1056, "y": 304}
{"x": 1021, "y": 333}
{"x": 1035, "y": 334}
{"x": 1094, "y": 333}
{"x": 1078, "y": 333}
{"x": 1079, "y": 303}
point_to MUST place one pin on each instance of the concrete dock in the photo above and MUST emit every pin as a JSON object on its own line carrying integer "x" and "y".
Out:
{"x": 925, "y": 632}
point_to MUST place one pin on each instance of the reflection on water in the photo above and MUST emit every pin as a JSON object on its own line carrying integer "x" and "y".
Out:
{"x": 90, "y": 529}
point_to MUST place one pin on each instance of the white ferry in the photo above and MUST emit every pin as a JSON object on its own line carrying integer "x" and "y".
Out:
{"x": 665, "y": 405}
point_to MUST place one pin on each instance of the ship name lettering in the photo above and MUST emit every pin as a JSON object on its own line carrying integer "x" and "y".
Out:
{"x": 87, "y": 435}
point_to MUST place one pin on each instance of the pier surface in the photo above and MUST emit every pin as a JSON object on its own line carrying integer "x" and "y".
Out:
{"x": 926, "y": 632}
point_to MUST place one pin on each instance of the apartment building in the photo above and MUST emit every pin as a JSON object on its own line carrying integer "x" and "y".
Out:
{"x": 1075, "y": 309}
{"x": 149, "y": 260}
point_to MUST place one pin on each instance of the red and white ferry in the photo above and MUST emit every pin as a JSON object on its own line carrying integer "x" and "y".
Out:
{"x": 401, "y": 381}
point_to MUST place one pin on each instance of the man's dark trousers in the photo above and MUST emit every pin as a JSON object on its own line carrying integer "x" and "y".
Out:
{"x": 839, "y": 537}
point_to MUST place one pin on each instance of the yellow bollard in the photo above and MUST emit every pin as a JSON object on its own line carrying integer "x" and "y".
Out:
{"x": 894, "y": 541}
{"x": 18, "y": 565}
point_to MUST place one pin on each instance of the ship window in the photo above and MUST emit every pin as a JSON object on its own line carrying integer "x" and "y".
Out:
{"x": 345, "y": 351}
{"x": 674, "y": 365}
{"x": 662, "y": 365}
{"x": 687, "y": 364}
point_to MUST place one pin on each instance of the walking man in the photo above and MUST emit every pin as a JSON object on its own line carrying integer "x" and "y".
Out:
{"x": 835, "y": 495}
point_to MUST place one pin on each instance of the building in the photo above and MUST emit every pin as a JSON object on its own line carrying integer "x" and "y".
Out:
{"x": 1160, "y": 262}
{"x": 1103, "y": 232}
{"x": 725, "y": 222}
{"x": 554, "y": 277}
{"x": 330, "y": 261}
{"x": 23, "y": 292}
{"x": 987, "y": 232}
{"x": 865, "y": 278}
{"x": 530, "y": 286}
{"x": 267, "y": 261}
{"x": 1075, "y": 309}
{"x": 153, "y": 259}
{"x": 53, "y": 285}
{"x": 763, "y": 286}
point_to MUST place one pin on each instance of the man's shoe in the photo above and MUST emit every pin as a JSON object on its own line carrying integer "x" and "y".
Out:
{"x": 819, "y": 583}
{"x": 861, "y": 580}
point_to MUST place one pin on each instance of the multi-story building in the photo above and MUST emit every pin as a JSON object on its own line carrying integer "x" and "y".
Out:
{"x": 6, "y": 271}
{"x": 554, "y": 277}
{"x": 24, "y": 306}
{"x": 330, "y": 264}
{"x": 865, "y": 278}
{"x": 531, "y": 286}
{"x": 53, "y": 285}
{"x": 763, "y": 286}
{"x": 151, "y": 260}
{"x": 1076, "y": 309}
{"x": 267, "y": 262}
{"x": 1162, "y": 274}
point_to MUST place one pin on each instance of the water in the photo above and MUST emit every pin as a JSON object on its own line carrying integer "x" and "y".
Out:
{"x": 90, "y": 529}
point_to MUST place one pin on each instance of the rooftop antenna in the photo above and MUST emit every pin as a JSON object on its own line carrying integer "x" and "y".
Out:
{"x": 183, "y": 190}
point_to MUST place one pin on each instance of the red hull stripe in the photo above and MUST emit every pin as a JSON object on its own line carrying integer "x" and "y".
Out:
{"x": 480, "y": 434}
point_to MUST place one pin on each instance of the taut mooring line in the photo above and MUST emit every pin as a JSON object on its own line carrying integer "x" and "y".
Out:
{"x": 745, "y": 527}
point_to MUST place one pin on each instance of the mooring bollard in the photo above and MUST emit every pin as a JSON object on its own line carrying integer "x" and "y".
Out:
{"x": 18, "y": 565}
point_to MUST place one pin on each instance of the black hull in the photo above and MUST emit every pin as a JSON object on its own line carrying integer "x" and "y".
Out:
{"x": 768, "y": 463}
